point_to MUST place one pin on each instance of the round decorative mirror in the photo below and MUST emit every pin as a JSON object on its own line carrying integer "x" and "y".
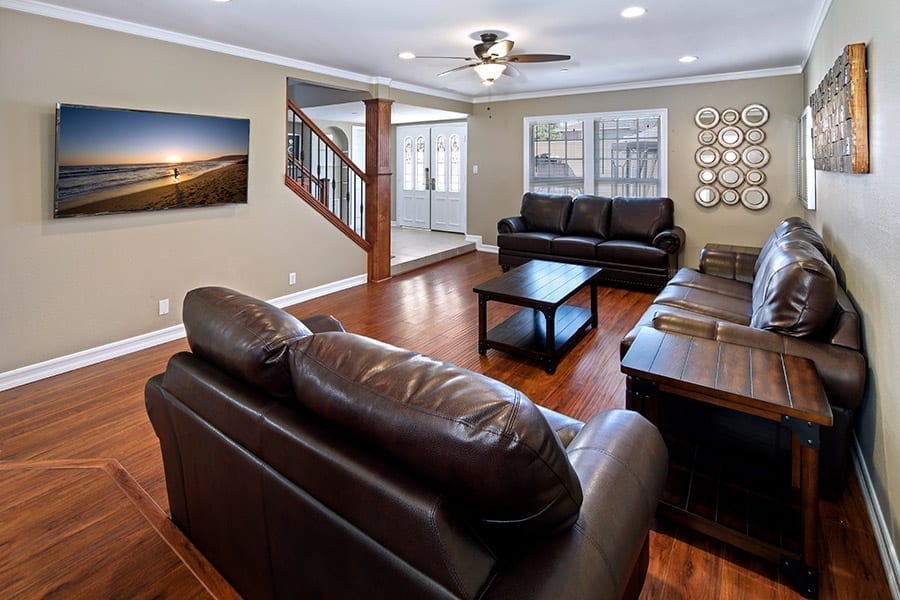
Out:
{"x": 706, "y": 196}
{"x": 754, "y": 115}
{"x": 755, "y": 177}
{"x": 731, "y": 137}
{"x": 754, "y": 198}
{"x": 706, "y": 137}
{"x": 755, "y": 136}
{"x": 707, "y": 117}
{"x": 707, "y": 157}
{"x": 731, "y": 157}
{"x": 707, "y": 176}
{"x": 755, "y": 156}
{"x": 730, "y": 116}
{"x": 731, "y": 177}
{"x": 731, "y": 197}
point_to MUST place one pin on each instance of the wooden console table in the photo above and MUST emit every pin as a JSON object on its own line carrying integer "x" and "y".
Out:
{"x": 542, "y": 287}
{"x": 770, "y": 385}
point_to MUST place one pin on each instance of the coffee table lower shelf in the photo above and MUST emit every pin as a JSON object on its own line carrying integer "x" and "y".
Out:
{"x": 525, "y": 333}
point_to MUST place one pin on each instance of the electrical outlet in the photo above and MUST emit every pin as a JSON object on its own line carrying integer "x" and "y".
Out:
{"x": 164, "y": 307}
{"x": 292, "y": 279}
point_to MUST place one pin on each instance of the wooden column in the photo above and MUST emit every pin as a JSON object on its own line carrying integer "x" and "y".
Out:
{"x": 378, "y": 187}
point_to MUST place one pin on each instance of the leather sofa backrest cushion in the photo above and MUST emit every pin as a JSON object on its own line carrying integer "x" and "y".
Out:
{"x": 481, "y": 442}
{"x": 590, "y": 216}
{"x": 640, "y": 218}
{"x": 548, "y": 213}
{"x": 795, "y": 290}
{"x": 794, "y": 228}
{"x": 242, "y": 335}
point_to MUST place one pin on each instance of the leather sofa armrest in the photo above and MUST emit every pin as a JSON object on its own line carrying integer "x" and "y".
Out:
{"x": 670, "y": 240}
{"x": 730, "y": 262}
{"x": 621, "y": 462}
{"x": 511, "y": 225}
{"x": 322, "y": 323}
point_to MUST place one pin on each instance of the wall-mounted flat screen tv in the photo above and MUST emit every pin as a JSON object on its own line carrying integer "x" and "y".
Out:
{"x": 111, "y": 160}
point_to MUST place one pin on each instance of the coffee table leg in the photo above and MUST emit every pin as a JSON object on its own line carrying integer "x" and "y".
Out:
{"x": 805, "y": 572}
{"x": 482, "y": 324}
{"x": 594, "y": 305}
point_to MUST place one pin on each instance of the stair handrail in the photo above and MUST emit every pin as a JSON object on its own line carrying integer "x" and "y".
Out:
{"x": 328, "y": 141}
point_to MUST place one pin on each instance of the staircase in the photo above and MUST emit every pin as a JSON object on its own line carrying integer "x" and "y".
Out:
{"x": 321, "y": 174}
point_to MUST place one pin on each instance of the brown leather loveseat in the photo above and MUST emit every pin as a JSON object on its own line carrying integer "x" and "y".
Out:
{"x": 783, "y": 297}
{"x": 634, "y": 240}
{"x": 307, "y": 462}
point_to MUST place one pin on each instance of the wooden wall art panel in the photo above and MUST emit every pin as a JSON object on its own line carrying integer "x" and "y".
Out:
{"x": 840, "y": 115}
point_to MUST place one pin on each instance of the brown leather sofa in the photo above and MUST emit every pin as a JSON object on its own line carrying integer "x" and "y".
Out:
{"x": 307, "y": 462}
{"x": 634, "y": 240}
{"x": 784, "y": 297}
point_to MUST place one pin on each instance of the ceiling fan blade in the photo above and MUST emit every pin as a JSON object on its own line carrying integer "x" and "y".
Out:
{"x": 536, "y": 58}
{"x": 511, "y": 70}
{"x": 449, "y": 57}
{"x": 500, "y": 49}
{"x": 447, "y": 72}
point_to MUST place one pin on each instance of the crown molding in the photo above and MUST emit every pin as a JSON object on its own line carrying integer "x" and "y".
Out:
{"x": 639, "y": 85}
{"x": 814, "y": 32}
{"x": 421, "y": 89}
{"x": 85, "y": 18}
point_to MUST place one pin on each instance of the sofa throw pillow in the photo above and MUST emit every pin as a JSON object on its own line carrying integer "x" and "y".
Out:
{"x": 242, "y": 335}
{"x": 590, "y": 216}
{"x": 482, "y": 442}
{"x": 795, "y": 291}
{"x": 548, "y": 213}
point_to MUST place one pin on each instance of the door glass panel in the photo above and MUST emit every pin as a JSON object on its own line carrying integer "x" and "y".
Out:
{"x": 454, "y": 163}
{"x": 407, "y": 163}
{"x": 420, "y": 163}
{"x": 440, "y": 164}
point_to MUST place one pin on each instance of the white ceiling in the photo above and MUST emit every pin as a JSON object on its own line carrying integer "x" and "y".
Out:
{"x": 361, "y": 38}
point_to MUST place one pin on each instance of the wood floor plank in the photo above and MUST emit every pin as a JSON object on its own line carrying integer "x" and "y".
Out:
{"x": 97, "y": 413}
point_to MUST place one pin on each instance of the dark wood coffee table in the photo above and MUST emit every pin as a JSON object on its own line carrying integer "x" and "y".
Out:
{"x": 546, "y": 328}
{"x": 774, "y": 386}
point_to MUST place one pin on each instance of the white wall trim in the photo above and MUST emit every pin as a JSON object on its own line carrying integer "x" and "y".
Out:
{"x": 480, "y": 246}
{"x": 640, "y": 85}
{"x": 882, "y": 534}
{"x": 91, "y": 356}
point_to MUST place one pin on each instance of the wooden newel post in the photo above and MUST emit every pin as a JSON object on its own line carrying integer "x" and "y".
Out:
{"x": 378, "y": 187}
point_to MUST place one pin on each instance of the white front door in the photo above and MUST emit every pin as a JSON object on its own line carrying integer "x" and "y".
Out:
{"x": 431, "y": 177}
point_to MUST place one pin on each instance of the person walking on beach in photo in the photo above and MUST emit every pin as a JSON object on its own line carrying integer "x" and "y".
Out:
{"x": 176, "y": 174}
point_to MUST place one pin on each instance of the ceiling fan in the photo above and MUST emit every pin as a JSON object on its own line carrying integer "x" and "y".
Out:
{"x": 493, "y": 58}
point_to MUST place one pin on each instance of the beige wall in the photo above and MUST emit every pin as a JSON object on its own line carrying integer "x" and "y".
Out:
{"x": 72, "y": 284}
{"x": 859, "y": 216}
{"x": 496, "y": 146}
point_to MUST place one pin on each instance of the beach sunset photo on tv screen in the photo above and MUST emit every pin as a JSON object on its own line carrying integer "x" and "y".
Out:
{"x": 111, "y": 160}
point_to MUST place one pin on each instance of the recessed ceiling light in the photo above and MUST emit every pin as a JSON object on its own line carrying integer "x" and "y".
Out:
{"x": 564, "y": 70}
{"x": 407, "y": 55}
{"x": 632, "y": 12}
{"x": 688, "y": 59}
{"x": 221, "y": 0}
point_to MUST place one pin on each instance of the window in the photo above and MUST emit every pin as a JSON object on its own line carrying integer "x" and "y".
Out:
{"x": 605, "y": 154}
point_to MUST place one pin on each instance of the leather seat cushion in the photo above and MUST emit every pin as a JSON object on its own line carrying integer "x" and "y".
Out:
{"x": 546, "y": 212}
{"x": 531, "y": 241}
{"x": 794, "y": 291}
{"x": 590, "y": 216}
{"x": 702, "y": 281}
{"x": 242, "y": 335}
{"x": 632, "y": 253}
{"x": 482, "y": 442}
{"x": 574, "y": 247}
{"x": 707, "y": 303}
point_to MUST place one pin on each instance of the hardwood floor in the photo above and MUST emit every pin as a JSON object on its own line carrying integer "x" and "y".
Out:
{"x": 98, "y": 413}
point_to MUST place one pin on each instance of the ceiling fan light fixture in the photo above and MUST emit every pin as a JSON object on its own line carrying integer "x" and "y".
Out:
{"x": 489, "y": 72}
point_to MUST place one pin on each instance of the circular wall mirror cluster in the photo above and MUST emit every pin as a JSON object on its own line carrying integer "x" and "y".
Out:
{"x": 731, "y": 156}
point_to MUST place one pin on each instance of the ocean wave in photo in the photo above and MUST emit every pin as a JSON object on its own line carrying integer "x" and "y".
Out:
{"x": 76, "y": 181}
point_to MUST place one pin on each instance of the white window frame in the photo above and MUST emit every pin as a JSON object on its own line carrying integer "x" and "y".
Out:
{"x": 589, "y": 135}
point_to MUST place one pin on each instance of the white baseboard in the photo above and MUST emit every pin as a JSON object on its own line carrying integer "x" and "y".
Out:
{"x": 882, "y": 533}
{"x": 480, "y": 246}
{"x": 84, "y": 358}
